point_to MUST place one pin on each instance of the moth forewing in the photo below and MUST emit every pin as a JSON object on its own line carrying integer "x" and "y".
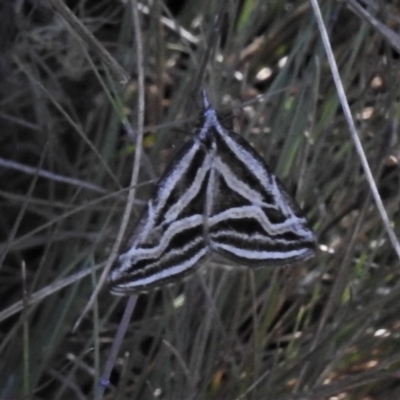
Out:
{"x": 218, "y": 196}
{"x": 168, "y": 240}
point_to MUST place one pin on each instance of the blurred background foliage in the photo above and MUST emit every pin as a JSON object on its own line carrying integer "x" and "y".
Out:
{"x": 326, "y": 329}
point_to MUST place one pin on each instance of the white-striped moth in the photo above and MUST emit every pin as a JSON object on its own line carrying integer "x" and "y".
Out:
{"x": 219, "y": 197}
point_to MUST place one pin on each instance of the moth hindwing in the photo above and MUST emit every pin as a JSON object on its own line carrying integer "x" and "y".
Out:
{"x": 217, "y": 196}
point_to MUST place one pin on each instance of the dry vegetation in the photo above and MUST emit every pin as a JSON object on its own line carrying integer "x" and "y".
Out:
{"x": 326, "y": 329}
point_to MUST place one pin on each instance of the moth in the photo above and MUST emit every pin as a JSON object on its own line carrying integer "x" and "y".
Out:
{"x": 217, "y": 197}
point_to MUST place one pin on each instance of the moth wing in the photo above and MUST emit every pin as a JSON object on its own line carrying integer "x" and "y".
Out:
{"x": 253, "y": 221}
{"x": 168, "y": 242}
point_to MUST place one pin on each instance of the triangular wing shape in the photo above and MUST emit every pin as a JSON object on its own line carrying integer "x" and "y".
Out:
{"x": 253, "y": 220}
{"x": 217, "y": 196}
{"x": 168, "y": 242}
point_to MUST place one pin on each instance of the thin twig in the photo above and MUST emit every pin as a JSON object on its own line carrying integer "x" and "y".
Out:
{"x": 21, "y": 213}
{"x": 47, "y": 291}
{"x": 353, "y": 131}
{"x": 136, "y": 163}
{"x": 49, "y": 175}
{"x": 130, "y": 306}
{"x": 122, "y": 327}
{"x": 83, "y": 33}
{"x": 390, "y": 35}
